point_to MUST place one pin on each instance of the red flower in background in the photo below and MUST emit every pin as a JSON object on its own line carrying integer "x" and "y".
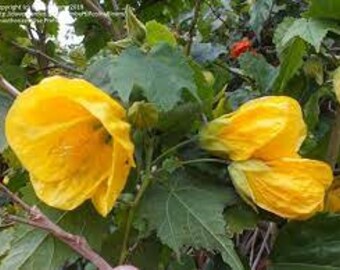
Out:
{"x": 240, "y": 47}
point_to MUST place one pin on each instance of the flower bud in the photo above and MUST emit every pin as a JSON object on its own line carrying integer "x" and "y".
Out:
{"x": 313, "y": 67}
{"x": 264, "y": 128}
{"x": 209, "y": 77}
{"x": 143, "y": 115}
{"x": 136, "y": 29}
{"x": 336, "y": 83}
{"x": 118, "y": 46}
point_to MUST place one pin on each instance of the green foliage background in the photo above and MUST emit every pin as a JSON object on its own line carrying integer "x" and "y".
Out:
{"x": 190, "y": 216}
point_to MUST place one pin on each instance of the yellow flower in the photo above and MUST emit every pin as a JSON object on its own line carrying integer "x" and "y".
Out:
{"x": 289, "y": 187}
{"x": 73, "y": 140}
{"x": 265, "y": 128}
{"x": 263, "y": 138}
{"x": 333, "y": 197}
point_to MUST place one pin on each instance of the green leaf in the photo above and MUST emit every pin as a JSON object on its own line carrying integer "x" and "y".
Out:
{"x": 281, "y": 31}
{"x": 312, "y": 108}
{"x": 316, "y": 144}
{"x": 186, "y": 263}
{"x": 236, "y": 98}
{"x": 6, "y": 237}
{"x": 185, "y": 211}
{"x": 308, "y": 245}
{"x": 14, "y": 74}
{"x": 157, "y": 33}
{"x": 36, "y": 249}
{"x": 206, "y": 52}
{"x": 5, "y": 103}
{"x": 150, "y": 254}
{"x": 204, "y": 87}
{"x": 311, "y": 30}
{"x": 241, "y": 217}
{"x": 259, "y": 69}
{"x": 162, "y": 74}
{"x": 95, "y": 36}
{"x": 291, "y": 62}
{"x": 324, "y": 9}
{"x": 178, "y": 122}
{"x": 259, "y": 14}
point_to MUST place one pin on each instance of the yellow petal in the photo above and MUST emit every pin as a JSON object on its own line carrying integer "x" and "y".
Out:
{"x": 265, "y": 128}
{"x": 333, "y": 197}
{"x": 292, "y": 188}
{"x": 108, "y": 191}
{"x": 65, "y": 131}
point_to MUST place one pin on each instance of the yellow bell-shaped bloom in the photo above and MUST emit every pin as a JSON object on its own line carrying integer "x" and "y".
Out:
{"x": 289, "y": 187}
{"x": 265, "y": 128}
{"x": 73, "y": 140}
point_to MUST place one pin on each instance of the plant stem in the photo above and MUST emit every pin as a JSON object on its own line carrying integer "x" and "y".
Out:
{"x": 145, "y": 183}
{"x": 39, "y": 220}
{"x": 204, "y": 160}
{"x": 102, "y": 17}
{"x": 9, "y": 88}
{"x": 172, "y": 149}
{"x": 193, "y": 26}
{"x": 39, "y": 53}
{"x": 271, "y": 226}
{"x": 334, "y": 141}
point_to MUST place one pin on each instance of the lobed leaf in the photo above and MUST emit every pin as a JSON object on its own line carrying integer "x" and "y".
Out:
{"x": 184, "y": 211}
{"x": 162, "y": 74}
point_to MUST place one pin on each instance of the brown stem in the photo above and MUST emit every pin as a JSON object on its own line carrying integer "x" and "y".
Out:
{"x": 263, "y": 245}
{"x": 193, "y": 26}
{"x": 252, "y": 250}
{"x": 334, "y": 142}
{"x": 44, "y": 55}
{"x": 103, "y": 18}
{"x": 78, "y": 243}
{"x": 9, "y": 88}
{"x": 215, "y": 13}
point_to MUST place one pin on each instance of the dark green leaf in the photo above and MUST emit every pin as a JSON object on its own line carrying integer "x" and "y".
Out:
{"x": 281, "y": 31}
{"x": 316, "y": 144}
{"x": 162, "y": 74}
{"x": 5, "y": 103}
{"x": 259, "y": 69}
{"x": 308, "y": 245}
{"x": 14, "y": 74}
{"x": 240, "y": 96}
{"x": 324, "y": 9}
{"x": 259, "y": 14}
{"x": 206, "y": 52}
{"x": 312, "y": 108}
{"x": 311, "y": 30}
{"x": 185, "y": 211}
{"x": 186, "y": 263}
{"x": 178, "y": 122}
{"x": 291, "y": 62}
{"x": 150, "y": 254}
{"x": 241, "y": 217}
{"x": 95, "y": 36}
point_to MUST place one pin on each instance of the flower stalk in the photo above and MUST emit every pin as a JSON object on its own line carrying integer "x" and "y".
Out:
{"x": 37, "y": 219}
